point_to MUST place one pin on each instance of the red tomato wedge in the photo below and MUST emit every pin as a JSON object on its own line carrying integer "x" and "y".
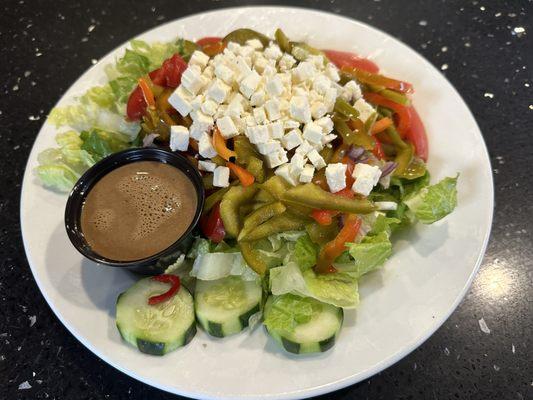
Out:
{"x": 417, "y": 135}
{"x": 212, "y": 225}
{"x": 136, "y": 104}
{"x": 208, "y": 40}
{"x": 345, "y": 59}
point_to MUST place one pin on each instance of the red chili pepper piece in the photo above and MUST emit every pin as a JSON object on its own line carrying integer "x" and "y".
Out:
{"x": 175, "y": 286}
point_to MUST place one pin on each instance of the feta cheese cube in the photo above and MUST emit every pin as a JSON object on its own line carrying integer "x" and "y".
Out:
{"x": 276, "y": 158}
{"x": 274, "y": 86}
{"x": 386, "y": 205}
{"x": 221, "y": 177}
{"x": 259, "y": 115}
{"x": 260, "y": 64}
{"x": 313, "y": 133}
{"x": 179, "y": 138}
{"x": 206, "y": 166}
{"x": 328, "y": 138}
{"x": 300, "y": 91}
{"x": 257, "y": 134}
{"x": 366, "y": 177}
{"x": 235, "y": 108}
{"x": 249, "y": 84}
{"x": 275, "y": 130}
{"x": 199, "y": 58}
{"x": 326, "y": 123}
{"x": 246, "y": 51}
{"x": 201, "y": 124}
{"x": 192, "y": 80}
{"x": 255, "y": 44}
{"x": 218, "y": 91}
{"x": 209, "y": 72}
{"x": 209, "y": 107}
{"x": 197, "y": 102}
{"x": 306, "y": 176}
{"x": 242, "y": 68}
{"x": 299, "y": 109}
{"x": 316, "y": 159}
{"x": 297, "y": 164}
{"x": 286, "y": 62}
{"x": 272, "y": 109}
{"x": 269, "y": 70}
{"x": 292, "y": 139}
{"x": 317, "y": 60}
{"x": 304, "y": 148}
{"x": 318, "y": 109}
{"x": 227, "y": 127}
{"x": 258, "y": 98}
{"x": 221, "y": 111}
{"x": 205, "y": 146}
{"x": 332, "y": 72}
{"x": 285, "y": 172}
{"x": 234, "y": 47}
{"x": 304, "y": 71}
{"x": 249, "y": 120}
{"x": 329, "y": 99}
{"x": 290, "y": 124}
{"x": 336, "y": 177}
{"x": 365, "y": 109}
{"x": 270, "y": 146}
{"x": 273, "y": 51}
{"x": 224, "y": 73}
{"x": 181, "y": 99}
{"x": 321, "y": 83}
{"x": 353, "y": 90}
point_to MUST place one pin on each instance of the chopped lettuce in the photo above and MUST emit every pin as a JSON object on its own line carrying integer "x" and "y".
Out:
{"x": 365, "y": 256}
{"x": 432, "y": 203}
{"x": 305, "y": 252}
{"x": 288, "y": 311}
{"x": 339, "y": 289}
{"x": 60, "y": 168}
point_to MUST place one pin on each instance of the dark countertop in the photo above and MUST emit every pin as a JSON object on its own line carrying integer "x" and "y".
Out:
{"x": 480, "y": 48}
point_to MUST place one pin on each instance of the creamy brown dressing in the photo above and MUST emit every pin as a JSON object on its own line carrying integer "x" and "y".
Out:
{"x": 138, "y": 210}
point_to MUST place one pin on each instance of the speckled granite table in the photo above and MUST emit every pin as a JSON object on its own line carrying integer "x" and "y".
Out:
{"x": 485, "y": 49}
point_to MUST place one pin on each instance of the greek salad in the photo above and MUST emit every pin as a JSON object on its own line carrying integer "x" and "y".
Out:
{"x": 311, "y": 160}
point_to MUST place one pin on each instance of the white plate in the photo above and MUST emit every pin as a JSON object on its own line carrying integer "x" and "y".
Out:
{"x": 402, "y": 305}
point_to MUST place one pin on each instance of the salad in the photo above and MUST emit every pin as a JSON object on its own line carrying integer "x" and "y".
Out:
{"x": 310, "y": 159}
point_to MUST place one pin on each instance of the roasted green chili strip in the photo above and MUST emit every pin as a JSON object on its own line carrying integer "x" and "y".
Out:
{"x": 345, "y": 109}
{"x": 279, "y": 223}
{"x": 260, "y": 216}
{"x": 403, "y": 159}
{"x": 321, "y": 234}
{"x": 395, "y": 137}
{"x": 310, "y": 195}
{"x": 283, "y": 41}
{"x": 252, "y": 257}
{"x": 242, "y": 35}
{"x": 213, "y": 199}
{"x": 392, "y": 95}
{"x": 229, "y": 207}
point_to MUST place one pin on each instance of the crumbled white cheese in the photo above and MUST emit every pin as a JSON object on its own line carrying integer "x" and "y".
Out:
{"x": 336, "y": 177}
{"x": 307, "y": 173}
{"x": 366, "y": 177}
{"x": 199, "y": 58}
{"x": 221, "y": 177}
{"x": 227, "y": 127}
{"x": 179, "y": 138}
{"x": 206, "y": 166}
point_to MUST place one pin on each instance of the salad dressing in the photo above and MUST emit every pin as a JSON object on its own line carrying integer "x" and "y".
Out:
{"x": 138, "y": 210}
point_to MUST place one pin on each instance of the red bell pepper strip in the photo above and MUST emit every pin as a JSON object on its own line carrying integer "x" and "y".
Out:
{"x": 417, "y": 135}
{"x": 331, "y": 250}
{"x": 346, "y": 59}
{"x": 175, "y": 286}
{"x": 325, "y": 217}
{"x": 378, "y": 150}
{"x": 148, "y": 95}
{"x": 402, "y": 113}
{"x": 212, "y": 225}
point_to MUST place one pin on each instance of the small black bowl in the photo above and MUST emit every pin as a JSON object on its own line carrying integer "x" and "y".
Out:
{"x": 152, "y": 265}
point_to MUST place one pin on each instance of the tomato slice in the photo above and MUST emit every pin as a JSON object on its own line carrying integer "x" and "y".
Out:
{"x": 346, "y": 59}
{"x": 172, "y": 69}
{"x": 417, "y": 135}
{"x": 136, "y": 104}
{"x": 208, "y": 40}
{"x": 212, "y": 225}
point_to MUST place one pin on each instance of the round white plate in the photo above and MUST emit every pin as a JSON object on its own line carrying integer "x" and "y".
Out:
{"x": 401, "y": 305}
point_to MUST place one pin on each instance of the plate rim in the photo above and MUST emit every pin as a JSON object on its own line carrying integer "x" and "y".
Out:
{"x": 298, "y": 393}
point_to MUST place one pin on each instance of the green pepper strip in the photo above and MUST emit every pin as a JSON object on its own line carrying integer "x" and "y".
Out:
{"x": 213, "y": 199}
{"x": 415, "y": 167}
{"x": 344, "y": 108}
{"x": 242, "y": 35}
{"x": 277, "y": 187}
{"x": 403, "y": 159}
{"x": 255, "y": 167}
{"x": 395, "y": 137}
{"x": 252, "y": 257}
{"x": 310, "y": 195}
{"x": 321, "y": 234}
{"x": 390, "y": 94}
{"x": 283, "y": 41}
{"x": 229, "y": 207}
{"x": 260, "y": 216}
{"x": 279, "y": 223}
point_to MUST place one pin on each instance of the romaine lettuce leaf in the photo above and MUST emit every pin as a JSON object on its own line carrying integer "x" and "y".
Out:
{"x": 367, "y": 255}
{"x": 288, "y": 311}
{"x": 57, "y": 176}
{"x": 305, "y": 252}
{"x": 432, "y": 203}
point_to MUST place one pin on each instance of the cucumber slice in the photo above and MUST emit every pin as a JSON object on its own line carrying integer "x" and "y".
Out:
{"x": 224, "y": 306}
{"x": 314, "y": 336}
{"x": 156, "y": 329}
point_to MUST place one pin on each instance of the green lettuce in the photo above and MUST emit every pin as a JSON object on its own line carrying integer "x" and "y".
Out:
{"x": 366, "y": 256}
{"x": 305, "y": 252}
{"x": 288, "y": 311}
{"x": 432, "y": 203}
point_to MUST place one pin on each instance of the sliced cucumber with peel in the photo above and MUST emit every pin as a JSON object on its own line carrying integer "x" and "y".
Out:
{"x": 314, "y": 336}
{"x": 224, "y": 306}
{"x": 155, "y": 329}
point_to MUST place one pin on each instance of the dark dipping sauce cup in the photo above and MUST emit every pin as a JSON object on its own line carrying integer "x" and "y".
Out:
{"x": 157, "y": 263}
